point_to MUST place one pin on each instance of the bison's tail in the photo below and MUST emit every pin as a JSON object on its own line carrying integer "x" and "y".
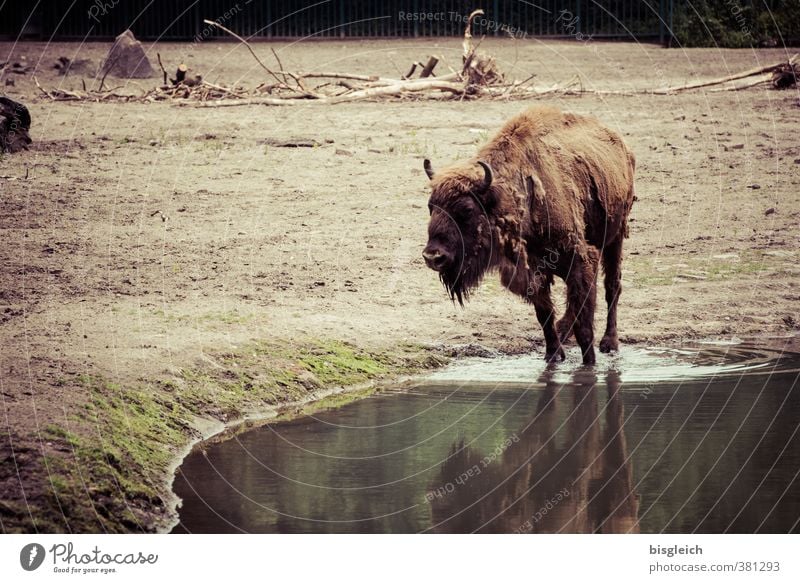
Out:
{"x": 631, "y": 197}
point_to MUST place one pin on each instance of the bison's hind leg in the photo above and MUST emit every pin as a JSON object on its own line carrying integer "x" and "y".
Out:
{"x": 581, "y": 293}
{"x": 612, "y": 267}
{"x": 564, "y": 326}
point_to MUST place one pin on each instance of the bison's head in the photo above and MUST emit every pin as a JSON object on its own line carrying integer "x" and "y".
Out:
{"x": 459, "y": 233}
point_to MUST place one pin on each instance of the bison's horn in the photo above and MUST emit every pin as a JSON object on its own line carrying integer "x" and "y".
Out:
{"x": 487, "y": 180}
{"x": 428, "y": 168}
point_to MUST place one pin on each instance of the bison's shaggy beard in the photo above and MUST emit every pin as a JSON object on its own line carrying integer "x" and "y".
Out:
{"x": 463, "y": 277}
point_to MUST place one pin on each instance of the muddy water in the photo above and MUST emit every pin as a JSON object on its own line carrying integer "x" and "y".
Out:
{"x": 703, "y": 439}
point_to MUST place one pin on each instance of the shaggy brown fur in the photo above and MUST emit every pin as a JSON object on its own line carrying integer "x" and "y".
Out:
{"x": 548, "y": 196}
{"x": 15, "y": 122}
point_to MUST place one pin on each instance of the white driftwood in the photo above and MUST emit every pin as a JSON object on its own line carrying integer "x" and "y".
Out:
{"x": 726, "y": 79}
{"x": 400, "y": 88}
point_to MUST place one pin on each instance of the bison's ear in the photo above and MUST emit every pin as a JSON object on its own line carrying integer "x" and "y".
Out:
{"x": 534, "y": 188}
{"x": 428, "y": 168}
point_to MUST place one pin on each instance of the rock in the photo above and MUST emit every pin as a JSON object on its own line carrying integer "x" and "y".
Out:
{"x": 127, "y": 59}
{"x": 470, "y": 350}
{"x": 308, "y": 380}
{"x": 769, "y": 211}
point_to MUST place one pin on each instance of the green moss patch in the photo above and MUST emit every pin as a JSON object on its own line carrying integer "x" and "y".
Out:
{"x": 106, "y": 466}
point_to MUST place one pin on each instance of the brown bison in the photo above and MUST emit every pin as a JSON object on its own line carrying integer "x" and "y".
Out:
{"x": 548, "y": 196}
{"x": 15, "y": 122}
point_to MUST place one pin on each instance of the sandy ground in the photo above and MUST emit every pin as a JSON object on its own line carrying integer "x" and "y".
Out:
{"x": 136, "y": 238}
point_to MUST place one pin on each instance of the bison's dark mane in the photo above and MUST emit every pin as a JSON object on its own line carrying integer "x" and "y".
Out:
{"x": 460, "y": 282}
{"x": 482, "y": 252}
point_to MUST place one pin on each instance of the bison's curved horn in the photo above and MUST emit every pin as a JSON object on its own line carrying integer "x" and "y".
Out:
{"x": 428, "y": 168}
{"x": 487, "y": 181}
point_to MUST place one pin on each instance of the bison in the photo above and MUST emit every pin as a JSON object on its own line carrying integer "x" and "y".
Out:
{"x": 549, "y": 195}
{"x": 15, "y": 122}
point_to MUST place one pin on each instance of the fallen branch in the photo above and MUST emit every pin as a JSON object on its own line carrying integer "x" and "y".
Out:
{"x": 245, "y": 43}
{"x": 246, "y": 101}
{"x": 403, "y": 87}
{"x": 163, "y": 70}
{"x": 792, "y": 62}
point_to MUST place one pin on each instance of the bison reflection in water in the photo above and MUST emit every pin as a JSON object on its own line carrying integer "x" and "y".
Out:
{"x": 540, "y": 485}
{"x": 548, "y": 196}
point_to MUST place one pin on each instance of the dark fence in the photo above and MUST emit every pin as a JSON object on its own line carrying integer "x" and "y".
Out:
{"x": 183, "y": 19}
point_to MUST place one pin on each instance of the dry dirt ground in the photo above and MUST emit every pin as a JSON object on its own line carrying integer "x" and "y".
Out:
{"x": 156, "y": 260}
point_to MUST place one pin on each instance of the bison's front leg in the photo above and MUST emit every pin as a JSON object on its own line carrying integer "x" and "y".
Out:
{"x": 545, "y": 313}
{"x": 581, "y": 299}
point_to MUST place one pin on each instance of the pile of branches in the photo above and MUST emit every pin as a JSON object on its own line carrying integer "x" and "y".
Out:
{"x": 479, "y": 77}
{"x": 180, "y": 87}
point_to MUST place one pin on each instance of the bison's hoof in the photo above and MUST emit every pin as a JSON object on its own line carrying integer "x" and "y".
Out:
{"x": 555, "y": 355}
{"x": 609, "y": 344}
{"x": 588, "y": 356}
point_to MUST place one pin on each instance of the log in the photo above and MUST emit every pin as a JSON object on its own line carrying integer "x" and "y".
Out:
{"x": 429, "y": 67}
{"x": 722, "y": 80}
{"x": 400, "y": 88}
{"x": 315, "y": 75}
{"x": 180, "y": 74}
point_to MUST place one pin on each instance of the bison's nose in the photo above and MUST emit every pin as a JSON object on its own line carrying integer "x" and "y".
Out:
{"x": 434, "y": 259}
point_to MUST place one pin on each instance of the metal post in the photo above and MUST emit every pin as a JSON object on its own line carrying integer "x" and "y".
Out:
{"x": 671, "y": 29}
